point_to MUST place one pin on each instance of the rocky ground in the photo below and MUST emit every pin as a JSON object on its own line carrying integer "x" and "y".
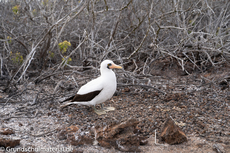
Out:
{"x": 198, "y": 103}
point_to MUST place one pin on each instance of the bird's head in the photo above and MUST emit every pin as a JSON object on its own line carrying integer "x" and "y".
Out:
{"x": 108, "y": 64}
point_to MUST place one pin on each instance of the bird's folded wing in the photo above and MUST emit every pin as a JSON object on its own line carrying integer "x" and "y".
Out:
{"x": 80, "y": 98}
{"x": 85, "y": 97}
{"x": 87, "y": 92}
{"x": 94, "y": 85}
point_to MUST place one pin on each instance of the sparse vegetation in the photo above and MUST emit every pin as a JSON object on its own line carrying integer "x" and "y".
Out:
{"x": 16, "y": 58}
{"x": 64, "y": 46}
{"x": 46, "y": 45}
{"x": 194, "y": 34}
{"x": 15, "y": 9}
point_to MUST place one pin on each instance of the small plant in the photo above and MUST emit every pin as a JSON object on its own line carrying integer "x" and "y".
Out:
{"x": 51, "y": 54}
{"x": 45, "y": 2}
{"x": 64, "y": 46}
{"x": 34, "y": 12}
{"x": 15, "y": 9}
{"x": 217, "y": 30}
{"x": 9, "y": 39}
{"x": 69, "y": 59}
{"x": 16, "y": 58}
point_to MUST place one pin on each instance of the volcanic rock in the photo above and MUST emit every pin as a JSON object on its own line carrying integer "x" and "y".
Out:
{"x": 6, "y": 131}
{"x": 122, "y": 136}
{"x": 63, "y": 132}
{"x": 9, "y": 142}
{"x": 218, "y": 148}
{"x": 224, "y": 84}
{"x": 171, "y": 133}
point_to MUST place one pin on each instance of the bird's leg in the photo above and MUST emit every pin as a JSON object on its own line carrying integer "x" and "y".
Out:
{"x": 99, "y": 111}
{"x": 102, "y": 106}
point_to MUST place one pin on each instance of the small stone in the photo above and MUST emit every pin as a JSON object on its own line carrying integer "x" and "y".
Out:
{"x": 126, "y": 89}
{"x": 143, "y": 142}
{"x": 62, "y": 135}
{"x": 9, "y": 142}
{"x": 72, "y": 128}
{"x": 218, "y": 148}
{"x": 81, "y": 138}
{"x": 6, "y": 131}
{"x": 224, "y": 84}
{"x": 172, "y": 134}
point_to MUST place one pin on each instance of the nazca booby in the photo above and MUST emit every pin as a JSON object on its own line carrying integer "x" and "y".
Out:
{"x": 98, "y": 90}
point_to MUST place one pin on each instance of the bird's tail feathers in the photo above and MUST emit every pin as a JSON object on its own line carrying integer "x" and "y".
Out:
{"x": 66, "y": 104}
{"x": 71, "y": 103}
{"x": 70, "y": 98}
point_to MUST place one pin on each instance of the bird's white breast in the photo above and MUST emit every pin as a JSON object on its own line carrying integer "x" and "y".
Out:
{"x": 109, "y": 85}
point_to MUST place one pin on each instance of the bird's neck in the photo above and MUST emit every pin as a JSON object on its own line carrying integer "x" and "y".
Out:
{"x": 108, "y": 74}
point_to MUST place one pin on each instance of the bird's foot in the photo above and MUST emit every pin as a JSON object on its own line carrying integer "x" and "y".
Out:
{"x": 107, "y": 109}
{"x": 103, "y": 110}
{"x": 100, "y": 111}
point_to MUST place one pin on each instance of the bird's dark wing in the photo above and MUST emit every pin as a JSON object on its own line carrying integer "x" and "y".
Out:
{"x": 83, "y": 98}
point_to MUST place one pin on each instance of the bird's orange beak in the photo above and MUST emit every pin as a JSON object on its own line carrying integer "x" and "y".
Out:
{"x": 114, "y": 66}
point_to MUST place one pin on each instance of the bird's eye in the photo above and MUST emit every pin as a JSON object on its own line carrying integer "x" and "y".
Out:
{"x": 109, "y": 65}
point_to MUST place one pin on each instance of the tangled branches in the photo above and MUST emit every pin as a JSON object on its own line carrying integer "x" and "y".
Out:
{"x": 135, "y": 33}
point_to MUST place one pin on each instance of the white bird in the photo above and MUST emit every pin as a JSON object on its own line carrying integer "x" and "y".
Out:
{"x": 98, "y": 90}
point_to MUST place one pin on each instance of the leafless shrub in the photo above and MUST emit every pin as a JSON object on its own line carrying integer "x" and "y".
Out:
{"x": 195, "y": 32}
